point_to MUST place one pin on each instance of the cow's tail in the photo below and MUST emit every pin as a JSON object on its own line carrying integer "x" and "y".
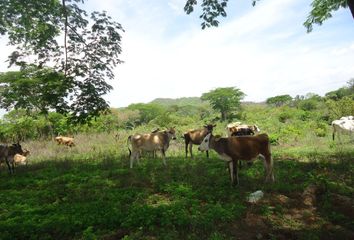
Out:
{"x": 129, "y": 141}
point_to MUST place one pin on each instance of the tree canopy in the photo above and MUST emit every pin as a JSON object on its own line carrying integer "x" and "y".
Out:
{"x": 279, "y": 100}
{"x": 34, "y": 89}
{"x": 225, "y": 100}
{"x": 321, "y": 10}
{"x": 83, "y": 47}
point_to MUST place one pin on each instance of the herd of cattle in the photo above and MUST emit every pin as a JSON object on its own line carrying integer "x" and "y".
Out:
{"x": 243, "y": 142}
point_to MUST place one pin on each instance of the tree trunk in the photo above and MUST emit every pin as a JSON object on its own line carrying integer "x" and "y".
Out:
{"x": 223, "y": 116}
{"x": 351, "y": 6}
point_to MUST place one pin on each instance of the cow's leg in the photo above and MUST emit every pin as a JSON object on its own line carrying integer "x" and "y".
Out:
{"x": 8, "y": 164}
{"x": 207, "y": 153}
{"x": 186, "y": 147}
{"x": 132, "y": 159}
{"x": 13, "y": 165}
{"x": 163, "y": 156}
{"x": 190, "y": 149}
{"x": 236, "y": 171}
{"x": 268, "y": 164}
{"x": 233, "y": 172}
{"x": 133, "y": 156}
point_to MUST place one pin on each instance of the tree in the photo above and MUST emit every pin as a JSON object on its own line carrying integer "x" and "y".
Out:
{"x": 33, "y": 89}
{"x": 342, "y": 92}
{"x": 279, "y": 100}
{"x": 321, "y": 11}
{"x": 86, "y": 55}
{"x": 224, "y": 100}
{"x": 147, "y": 111}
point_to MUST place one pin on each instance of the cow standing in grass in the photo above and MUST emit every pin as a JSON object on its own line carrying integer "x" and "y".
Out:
{"x": 234, "y": 149}
{"x": 345, "y": 125}
{"x": 7, "y": 153}
{"x": 158, "y": 141}
{"x": 196, "y": 136}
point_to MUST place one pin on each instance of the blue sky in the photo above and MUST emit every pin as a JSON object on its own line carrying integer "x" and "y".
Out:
{"x": 263, "y": 50}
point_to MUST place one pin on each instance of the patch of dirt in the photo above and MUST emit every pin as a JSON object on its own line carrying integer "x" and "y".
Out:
{"x": 293, "y": 217}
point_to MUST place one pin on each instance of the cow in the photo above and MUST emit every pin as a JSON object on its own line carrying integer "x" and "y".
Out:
{"x": 196, "y": 136}
{"x": 238, "y": 129}
{"x": 234, "y": 149}
{"x": 21, "y": 159}
{"x": 68, "y": 141}
{"x": 7, "y": 153}
{"x": 347, "y": 118}
{"x": 343, "y": 126}
{"x": 150, "y": 142}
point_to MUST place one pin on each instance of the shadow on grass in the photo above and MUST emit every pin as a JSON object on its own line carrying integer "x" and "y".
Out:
{"x": 188, "y": 198}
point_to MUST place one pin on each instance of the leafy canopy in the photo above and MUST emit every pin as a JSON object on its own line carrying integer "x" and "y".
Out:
{"x": 224, "y": 100}
{"x": 279, "y": 100}
{"x": 34, "y": 89}
{"x": 321, "y": 11}
{"x": 83, "y": 47}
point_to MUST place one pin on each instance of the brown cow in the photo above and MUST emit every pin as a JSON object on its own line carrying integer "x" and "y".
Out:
{"x": 196, "y": 136}
{"x": 7, "y": 153}
{"x": 234, "y": 149}
{"x": 68, "y": 141}
{"x": 150, "y": 142}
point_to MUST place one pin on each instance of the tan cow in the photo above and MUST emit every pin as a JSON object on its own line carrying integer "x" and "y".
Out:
{"x": 234, "y": 149}
{"x": 150, "y": 142}
{"x": 68, "y": 141}
{"x": 196, "y": 136}
{"x": 238, "y": 129}
{"x": 21, "y": 159}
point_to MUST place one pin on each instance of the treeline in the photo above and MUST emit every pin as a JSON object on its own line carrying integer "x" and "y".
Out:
{"x": 21, "y": 124}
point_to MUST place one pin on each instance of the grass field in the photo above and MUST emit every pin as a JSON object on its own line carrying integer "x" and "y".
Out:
{"x": 89, "y": 192}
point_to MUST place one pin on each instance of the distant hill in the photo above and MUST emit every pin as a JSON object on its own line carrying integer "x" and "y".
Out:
{"x": 195, "y": 101}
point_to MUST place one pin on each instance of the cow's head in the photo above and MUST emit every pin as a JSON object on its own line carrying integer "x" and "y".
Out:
{"x": 171, "y": 133}
{"x": 204, "y": 146}
{"x": 209, "y": 127}
{"x": 256, "y": 129}
{"x": 17, "y": 148}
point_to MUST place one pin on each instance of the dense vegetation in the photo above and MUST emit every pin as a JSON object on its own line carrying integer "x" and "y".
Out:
{"x": 89, "y": 192}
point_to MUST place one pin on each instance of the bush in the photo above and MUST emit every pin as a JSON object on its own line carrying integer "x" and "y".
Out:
{"x": 274, "y": 139}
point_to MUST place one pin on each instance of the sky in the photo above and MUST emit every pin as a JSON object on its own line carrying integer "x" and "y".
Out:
{"x": 263, "y": 50}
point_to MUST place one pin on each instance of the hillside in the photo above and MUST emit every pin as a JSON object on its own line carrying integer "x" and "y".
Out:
{"x": 179, "y": 101}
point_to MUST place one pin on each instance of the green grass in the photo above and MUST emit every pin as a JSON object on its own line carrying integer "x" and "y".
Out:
{"x": 89, "y": 192}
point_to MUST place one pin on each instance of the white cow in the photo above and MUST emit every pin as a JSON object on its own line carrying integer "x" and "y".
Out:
{"x": 347, "y": 118}
{"x": 345, "y": 125}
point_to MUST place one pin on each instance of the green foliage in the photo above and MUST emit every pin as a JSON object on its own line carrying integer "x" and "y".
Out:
{"x": 284, "y": 116}
{"x": 34, "y": 89}
{"x": 279, "y": 100}
{"x": 225, "y": 100}
{"x": 340, "y": 108}
{"x": 211, "y": 11}
{"x": 347, "y": 91}
{"x": 321, "y": 10}
{"x": 86, "y": 56}
{"x": 147, "y": 111}
{"x": 320, "y": 128}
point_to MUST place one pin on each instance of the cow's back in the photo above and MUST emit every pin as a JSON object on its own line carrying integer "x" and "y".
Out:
{"x": 198, "y": 135}
{"x": 148, "y": 142}
{"x": 248, "y": 147}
